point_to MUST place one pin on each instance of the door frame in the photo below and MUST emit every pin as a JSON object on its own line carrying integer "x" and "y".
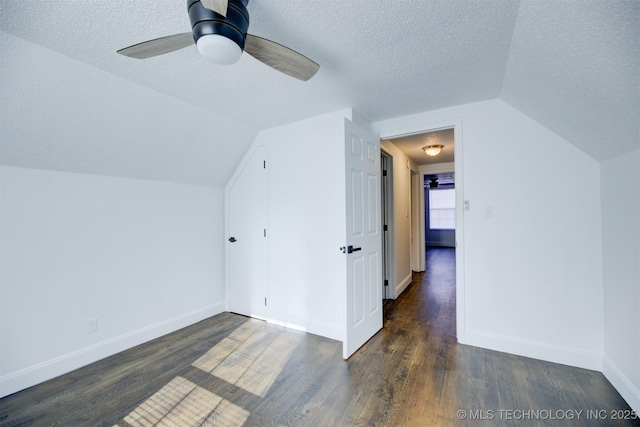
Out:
{"x": 418, "y": 256}
{"x": 388, "y": 243}
{"x": 456, "y": 125}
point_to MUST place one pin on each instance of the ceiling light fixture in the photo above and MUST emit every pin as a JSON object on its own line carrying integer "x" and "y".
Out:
{"x": 433, "y": 150}
{"x": 220, "y": 39}
{"x": 219, "y": 49}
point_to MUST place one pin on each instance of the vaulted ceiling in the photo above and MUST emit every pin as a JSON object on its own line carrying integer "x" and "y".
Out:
{"x": 573, "y": 66}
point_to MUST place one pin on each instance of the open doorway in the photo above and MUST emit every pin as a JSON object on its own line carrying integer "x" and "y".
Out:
{"x": 409, "y": 146}
{"x": 431, "y": 156}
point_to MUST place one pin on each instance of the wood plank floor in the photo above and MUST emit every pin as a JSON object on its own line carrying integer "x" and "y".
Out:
{"x": 230, "y": 370}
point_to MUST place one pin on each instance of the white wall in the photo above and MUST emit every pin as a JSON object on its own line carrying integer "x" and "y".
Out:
{"x": 401, "y": 219}
{"x": 307, "y": 223}
{"x": 620, "y": 181}
{"x": 143, "y": 257}
{"x": 533, "y": 277}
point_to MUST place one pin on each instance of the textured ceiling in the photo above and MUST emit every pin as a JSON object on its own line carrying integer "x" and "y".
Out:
{"x": 412, "y": 146}
{"x": 416, "y": 55}
{"x": 571, "y": 65}
{"x": 574, "y": 66}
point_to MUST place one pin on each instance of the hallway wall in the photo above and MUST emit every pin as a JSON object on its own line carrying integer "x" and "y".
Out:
{"x": 402, "y": 167}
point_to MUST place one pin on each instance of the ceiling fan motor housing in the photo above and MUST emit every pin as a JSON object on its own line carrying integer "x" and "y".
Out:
{"x": 234, "y": 26}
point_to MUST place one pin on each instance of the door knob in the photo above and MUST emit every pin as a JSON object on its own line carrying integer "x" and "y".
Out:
{"x": 232, "y": 239}
{"x": 349, "y": 249}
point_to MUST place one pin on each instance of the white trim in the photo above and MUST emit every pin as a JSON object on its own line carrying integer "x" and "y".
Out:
{"x": 323, "y": 329}
{"x": 418, "y": 258}
{"x": 327, "y": 330}
{"x": 621, "y": 383}
{"x": 60, "y": 365}
{"x": 286, "y": 320}
{"x": 422, "y": 239}
{"x": 391, "y": 228}
{"x": 400, "y": 287}
{"x": 536, "y": 350}
{"x": 286, "y": 325}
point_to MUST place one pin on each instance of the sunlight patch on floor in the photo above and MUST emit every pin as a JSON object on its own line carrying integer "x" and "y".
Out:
{"x": 183, "y": 403}
{"x": 251, "y": 357}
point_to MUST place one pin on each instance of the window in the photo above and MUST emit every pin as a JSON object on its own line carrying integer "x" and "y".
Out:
{"x": 442, "y": 209}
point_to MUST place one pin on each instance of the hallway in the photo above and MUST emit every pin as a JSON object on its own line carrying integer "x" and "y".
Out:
{"x": 431, "y": 297}
{"x": 231, "y": 370}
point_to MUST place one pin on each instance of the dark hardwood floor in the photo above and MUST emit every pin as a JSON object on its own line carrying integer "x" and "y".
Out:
{"x": 230, "y": 370}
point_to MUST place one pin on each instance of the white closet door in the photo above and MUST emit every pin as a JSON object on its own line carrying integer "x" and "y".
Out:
{"x": 247, "y": 244}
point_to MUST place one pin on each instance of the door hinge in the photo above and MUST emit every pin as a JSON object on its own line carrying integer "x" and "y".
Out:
{"x": 265, "y": 300}
{"x": 384, "y": 172}
{"x": 386, "y": 282}
{"x": 264, "y": 164}
{"x": 265, "y": 232}
{"x": 385, "y": 227}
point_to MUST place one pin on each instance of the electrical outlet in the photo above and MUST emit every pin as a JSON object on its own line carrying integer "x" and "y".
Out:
{"x": 92, "y": 325}
{"x": 488, "y": 212}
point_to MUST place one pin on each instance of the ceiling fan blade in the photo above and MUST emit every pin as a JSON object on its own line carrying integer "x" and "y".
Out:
{"x": 281, "y": 58}
{"x": 218, "y": 6}
{"x": 159, "y": 46}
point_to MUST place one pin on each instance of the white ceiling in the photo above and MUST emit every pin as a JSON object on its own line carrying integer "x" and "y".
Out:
{"x": 572, "y": 65}
{"x": 412, "y": 146}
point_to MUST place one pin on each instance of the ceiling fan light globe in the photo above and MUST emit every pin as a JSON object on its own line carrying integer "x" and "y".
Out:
{"x": 219, "y": 49}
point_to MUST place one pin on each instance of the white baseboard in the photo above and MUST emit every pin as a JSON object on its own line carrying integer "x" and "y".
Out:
{"x": 622, "y": 383}
{"x": 536, "y": 350}
{"x": 287, "y": 325}
{"x": 327, "y": 330}
{"x": 49, "y": 369}
{"x": 286, "y": 320}
{"x": 400, "y": 287}
{"x": 323, "y": 329}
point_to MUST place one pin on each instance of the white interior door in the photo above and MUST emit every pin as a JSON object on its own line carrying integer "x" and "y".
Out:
{"x": 247, "y": 244}
{"x": 364, "y": 240}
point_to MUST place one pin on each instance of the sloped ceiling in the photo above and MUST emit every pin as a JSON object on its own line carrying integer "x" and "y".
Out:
{"x": 571, "y": 65}
{"x": 574, "y": 66}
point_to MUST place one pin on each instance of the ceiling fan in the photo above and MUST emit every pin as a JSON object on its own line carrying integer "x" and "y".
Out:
{"x": 219, "y": 30}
